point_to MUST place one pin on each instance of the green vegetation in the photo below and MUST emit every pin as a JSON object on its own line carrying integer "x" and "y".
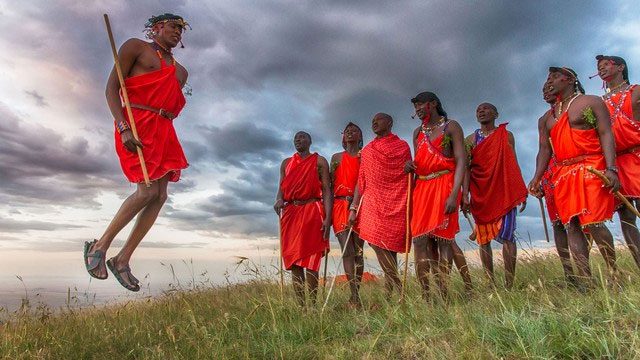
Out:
{"x": 542, "y": 318}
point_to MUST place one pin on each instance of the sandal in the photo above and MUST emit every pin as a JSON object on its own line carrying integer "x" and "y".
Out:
{"x": 118, "y": 274}
{"x": 94, "y": 260}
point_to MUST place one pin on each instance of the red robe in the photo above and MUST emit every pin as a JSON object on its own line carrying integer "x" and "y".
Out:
{"x": 429, "y": 196}
{"x": 626, "y": 131}
{"x": 547, "y": 189}
{"x": 496, "y": 184}
{"x": 162, "y": 151}
{"x": 344, "y": 184}
{"x": 301, "y": 225}
{"x": 384, "y": 185}
{"x": 576, "y": 191}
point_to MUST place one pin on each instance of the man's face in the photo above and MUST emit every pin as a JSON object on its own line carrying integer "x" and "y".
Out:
{"x": 380, "y": 125}
{"x": 170, "y": 32}
{"x": 485, "y": 113}
{"x": 423, "y": 110}
{"x": 607, "y": 69}
{"x": 558, "y": 82}
{"x": 302, "y": 142}
{"x": 547, "y": 96}
{"x": 352, "y": 134}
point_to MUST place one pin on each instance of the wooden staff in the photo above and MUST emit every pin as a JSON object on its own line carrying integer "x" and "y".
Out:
{"x": 544, "y": 219}
{"x": 281, "y": 259}
{"x": 406, "y": 240}
{"x": 346, "y": 243}
{"x": 473, "y": 235}
{"x": 324, "y": 275}
{"x": 621, "y": 197}
{"x": 125, "y": 96}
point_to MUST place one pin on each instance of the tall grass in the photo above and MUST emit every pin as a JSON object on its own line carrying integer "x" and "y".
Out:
{"x": 540, "y": 318}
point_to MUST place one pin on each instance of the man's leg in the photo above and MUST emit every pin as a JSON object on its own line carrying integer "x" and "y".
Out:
{"x": 509, "y": 256}
{"x": 312, "y": 284}
{"x": 297, "y": 275}
{"x": 461, "y": 265}
{"x": 630, "y": 232}
{"x": 130, "y": 207}
{"x": 359, "y": 260}
{"x": 562, "y": 246}
{"x": 349, "y": 263}
{"x": 145, "y": 220}
{"x": 602, "y": 236}
{"x": 486, "y": 257}
{"x": 446, "y": 252}
{"x": 421, "y": 258}
{"x": 579, "y": 249}
{"x": 389, "y": 264}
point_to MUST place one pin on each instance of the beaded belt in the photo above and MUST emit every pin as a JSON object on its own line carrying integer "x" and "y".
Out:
{"x": 630, "y": 150}
{"x": 301, "y": 202}
{"x": 572, "y": 160}
{"x": 433, "y": 175}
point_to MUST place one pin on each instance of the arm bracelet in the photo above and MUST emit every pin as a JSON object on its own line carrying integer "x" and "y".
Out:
{"x": 122, "y": 126}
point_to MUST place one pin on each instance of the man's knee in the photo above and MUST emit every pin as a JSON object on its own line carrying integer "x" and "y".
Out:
{"x": 162, "y": 196}
{"x": 627, "y": 217}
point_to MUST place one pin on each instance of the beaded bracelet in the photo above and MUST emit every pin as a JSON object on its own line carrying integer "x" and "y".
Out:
{"x": 122, "y": 126}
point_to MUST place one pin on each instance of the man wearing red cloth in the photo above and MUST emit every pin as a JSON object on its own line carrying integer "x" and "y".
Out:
{"x": 579, "y": 136}
{"x": 623, "y": 101}
{"x": 344, "y": 170}
{"x": 546, "y": 184}
{"x": 496, "y": 186}
{"x": 383, "y": 186}
{"x": 154, "y": 82}
{"x": 439, "y": 167}
{"x": 304, "y": 202}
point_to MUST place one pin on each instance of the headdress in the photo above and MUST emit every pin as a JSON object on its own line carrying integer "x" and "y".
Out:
{"x": 164, "y": 18}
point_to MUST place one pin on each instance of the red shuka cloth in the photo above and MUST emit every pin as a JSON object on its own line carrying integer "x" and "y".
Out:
{"x": 496, "y": 183}
{"x": 384, "y": 185}
{"x": 576, "y": 191}
{"x": 626, "y": 131}
{"x": 301, "y": 225}
{"x": 344, "y": 184}
{"x": 162, "y": 151}
{"x": 429, "y": 196}
{"x": 547, "y": 188}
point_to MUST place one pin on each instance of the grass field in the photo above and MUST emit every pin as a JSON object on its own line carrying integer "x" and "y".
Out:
{"x": 541, "y": 318}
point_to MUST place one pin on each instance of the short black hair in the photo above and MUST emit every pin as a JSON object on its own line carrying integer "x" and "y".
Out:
{"x": 428, "y": 96}
{"x": 618, "y": 61}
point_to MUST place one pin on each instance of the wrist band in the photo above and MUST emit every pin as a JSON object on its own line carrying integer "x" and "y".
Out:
{"x": 122, "y": 126}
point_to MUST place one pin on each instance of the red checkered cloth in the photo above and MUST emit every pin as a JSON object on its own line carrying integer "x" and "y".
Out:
{"x": 383, "y": 185}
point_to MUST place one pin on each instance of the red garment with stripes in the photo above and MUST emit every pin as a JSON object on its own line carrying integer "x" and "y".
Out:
{"x": 626, "y": 131}
{"x": 162, "y": 151}
{"x": 384, "y": 185}
{"x": 345, "y": 178}
{"x": 301, "y": 225}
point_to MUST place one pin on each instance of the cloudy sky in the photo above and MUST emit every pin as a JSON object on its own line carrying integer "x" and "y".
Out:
{"x": 260, "y": 71}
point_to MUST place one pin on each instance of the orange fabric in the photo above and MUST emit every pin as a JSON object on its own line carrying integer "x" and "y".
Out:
{"x": 384, "y": 185}
{"x": 311, "y": 262}
{"x": 162, "y": 151}
{"x": 547, "y": 188}
{"x": 487, "y": 232}
{"x": 301, "y": 225}
{"x": 344, "y": 184}
{"x": 576, "y": 191}
{"x": 430, "y": 196}
{"x": 626, "y": 131}
{"x": 496, "y": 185}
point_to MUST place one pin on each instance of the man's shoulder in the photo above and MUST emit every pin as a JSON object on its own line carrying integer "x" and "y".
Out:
{"x": 135, "y": 43}
{"x": 589, "y": 99}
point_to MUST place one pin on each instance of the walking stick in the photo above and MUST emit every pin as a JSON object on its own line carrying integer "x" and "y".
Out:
{"x": 324, "y": 275}
{"x": 544, "y": 219}
{"x": 346, "y": 243}
{"x": 621, "y": 197}
{"x": 473, "y": 235}
{"x": 125, "y": 97}
{"x": 406, "y": 238}
{"x": 281, "y": 259}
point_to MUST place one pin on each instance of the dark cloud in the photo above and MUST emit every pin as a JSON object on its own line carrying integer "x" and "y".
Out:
{"x": 37, "y": 98}
{"x": 38, "y": 164}
{"x": 21, "y": 226}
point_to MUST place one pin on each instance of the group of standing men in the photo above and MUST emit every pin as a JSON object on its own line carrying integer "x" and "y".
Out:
{"x": 380, "y": 195}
